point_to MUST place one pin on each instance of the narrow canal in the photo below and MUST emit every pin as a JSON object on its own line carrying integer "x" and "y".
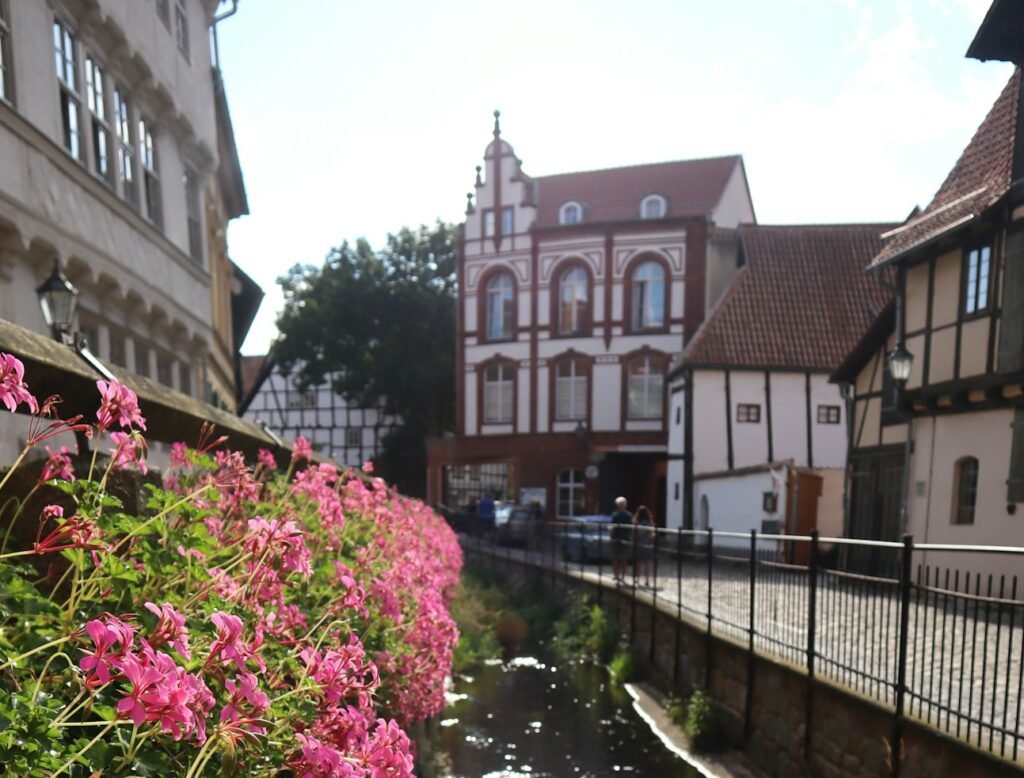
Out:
{"x": 531, "y": 717}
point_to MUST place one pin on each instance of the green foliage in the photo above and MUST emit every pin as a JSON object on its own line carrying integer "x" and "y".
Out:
{"x": 585, "y": 632}
{"x": 700, "y": 723}
{"x": 386, "y": 320}
{"x": 472, "y": 607}
{"x": 675, "y": 707}
{"x": 623, "y": 667}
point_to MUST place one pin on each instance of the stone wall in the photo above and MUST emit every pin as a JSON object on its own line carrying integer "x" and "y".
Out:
{"x": 766, "y": 703}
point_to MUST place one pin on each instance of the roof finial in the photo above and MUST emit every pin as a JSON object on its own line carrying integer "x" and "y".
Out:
{"x": 497, "y": 123}
{"x": 469, "y": 202}
{"x": 479, "y": 182}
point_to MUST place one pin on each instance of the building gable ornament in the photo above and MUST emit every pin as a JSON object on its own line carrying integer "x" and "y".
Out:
{"x": 594, "y": 261}
{"x": 518, "y": 267}
{"x": 673, "y": 255}
{"x": 607, "y": 359}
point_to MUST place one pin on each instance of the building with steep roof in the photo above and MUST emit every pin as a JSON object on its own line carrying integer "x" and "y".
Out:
{"x": 575, "y": 292}
{"x": 758, "y": 435}
{"x": 942, "y": 457}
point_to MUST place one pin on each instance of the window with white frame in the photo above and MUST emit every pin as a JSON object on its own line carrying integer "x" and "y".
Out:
{"x": 498, "y": 392}
{"x": 978, "y": 269}
{"x": 652, "y": 207}
{"x": 95, "y": 99}
{"x": 125, "y": 147}
{"x": 507, "y": 220}
{"x": 645, "y": 388}
{"x": 571, "y": 497}
{"x": 6, "y": 55}
{"x": 648, "y": 296}
{"x": 570, "y": 213}
{"x": 164, "y": 370}
{"x": 570, "y": 391}
{"x": 181, "y": 28}
{"x": 500, "y": 306}
{"x": 573, "y": 301}
{"x": 194, "y": 213}
{"x": 828, "y": 414}
{"x": 66, "y": 52}
{"x": 150, "y": 172}
{"x": 966, "y": 485}
{"x": 185, "y": 378}
{"x": 353, "y": 437}
{"x": 488, "y": 217}
{"x": 748, "y": 413}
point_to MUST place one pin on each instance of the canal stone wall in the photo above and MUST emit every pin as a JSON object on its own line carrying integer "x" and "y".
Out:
{"x": 765, "y": 704}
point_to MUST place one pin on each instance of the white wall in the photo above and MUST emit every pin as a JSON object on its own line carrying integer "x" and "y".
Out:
{"x": 735, "y": 502}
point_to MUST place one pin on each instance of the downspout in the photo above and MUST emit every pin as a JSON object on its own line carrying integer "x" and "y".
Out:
{"x": 217, "y": 19}
{"x": 688, "y": 449}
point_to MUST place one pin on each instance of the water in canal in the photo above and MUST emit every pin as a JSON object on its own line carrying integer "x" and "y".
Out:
{"x": 529, "y": 717}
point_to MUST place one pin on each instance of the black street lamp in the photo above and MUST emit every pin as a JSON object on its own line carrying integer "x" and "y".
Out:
{"x": 58, "y": 299}
{"x": 900, "y": 363}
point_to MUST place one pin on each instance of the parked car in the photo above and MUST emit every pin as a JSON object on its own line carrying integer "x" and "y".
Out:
{"x": 587, "y": 538}
{"x": 512, "y": 524}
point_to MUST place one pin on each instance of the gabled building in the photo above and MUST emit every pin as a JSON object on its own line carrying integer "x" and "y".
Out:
{"x": 758, "y": 435}
{"x": 575, "y": 290}
{"x": 949, "y": 444}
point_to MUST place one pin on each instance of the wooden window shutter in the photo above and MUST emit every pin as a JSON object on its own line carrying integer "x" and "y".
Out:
{"x": 1015, "y": 483}
{"x": 1011, "y": 326}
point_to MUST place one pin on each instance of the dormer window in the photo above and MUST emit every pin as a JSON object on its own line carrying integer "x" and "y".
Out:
{"x": 570, "y": 213}
{"x": 652, "y": 207}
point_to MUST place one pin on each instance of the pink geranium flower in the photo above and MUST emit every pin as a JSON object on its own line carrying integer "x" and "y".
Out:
{"x": 267, "y": 459}
{"x": 302, "y": 449}
{"x": 119, "y": 405}
{"x": 170, "y": 629}
{"x": 13, "y": 391}
{"x": 129, "y": 450}
{"x": 58, "y": 465}
{"x": 111, "y": 638}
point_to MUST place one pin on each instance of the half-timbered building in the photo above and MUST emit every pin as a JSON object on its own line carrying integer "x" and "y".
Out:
{"x": 575, "y": 291}
{"x": 942, "y": 456}
{"x": 758, "y": 435}
{"x": 345, "y": 432}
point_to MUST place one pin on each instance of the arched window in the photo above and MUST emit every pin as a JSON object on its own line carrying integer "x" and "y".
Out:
{"x": 499, "y": 393}
{"x": 573, "y": 301}
{"x": 570, "y": 213}
{"x": 501, "y": 295}
{"x": 571, "y": 494}
{"x": 965, "y": 479}
{"x": 645, "y": 388}
{"x": 652, "y": 207}
{"x": 570, "y": 390}
{"x": 648, "y": 296}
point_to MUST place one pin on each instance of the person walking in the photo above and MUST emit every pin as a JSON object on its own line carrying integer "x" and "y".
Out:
{"x": 621, "y": 523}
{"x": 643, "y": 542}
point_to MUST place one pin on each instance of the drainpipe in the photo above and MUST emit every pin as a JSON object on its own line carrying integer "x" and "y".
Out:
{"x": 216, "y": 20}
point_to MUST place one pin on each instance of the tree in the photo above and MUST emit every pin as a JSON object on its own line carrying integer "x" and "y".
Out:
{"x": 383, "y": 322}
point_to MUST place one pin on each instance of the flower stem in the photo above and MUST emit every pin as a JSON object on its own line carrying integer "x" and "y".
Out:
{"x": 88, "y": 745}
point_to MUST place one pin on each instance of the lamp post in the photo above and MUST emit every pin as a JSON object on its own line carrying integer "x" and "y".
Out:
{"x": 901, "y": 362}
{"x": 58, "y": 299}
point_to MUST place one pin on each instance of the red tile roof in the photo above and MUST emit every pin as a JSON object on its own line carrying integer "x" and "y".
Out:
{"x": 802, "y": 300}
{"x": 979, "y": 179}
{"x": 692, "y": 187}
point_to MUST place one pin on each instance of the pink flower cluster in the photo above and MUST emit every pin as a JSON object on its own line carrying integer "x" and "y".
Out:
{"x": 13, "y": 391}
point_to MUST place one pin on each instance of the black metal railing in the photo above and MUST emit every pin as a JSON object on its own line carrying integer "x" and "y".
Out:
{"x": 942, "y": 642}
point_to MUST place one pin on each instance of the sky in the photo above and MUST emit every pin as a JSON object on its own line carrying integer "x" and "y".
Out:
{"x": 355, "y": 118}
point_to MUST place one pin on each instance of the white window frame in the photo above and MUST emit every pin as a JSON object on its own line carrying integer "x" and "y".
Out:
{"x": 979, "y": 270}
{"x": 181, "y": 29}
{"x": 570, "y": 391}
{"x": 654, "y": 206}
{"x": 68, "y": 79}
{"x": 574, "y": 296}
{"x": 499, "y": 308}
{"x": 645, "y": 389}
{"x": 648, "y": 296}
{"x": 498, "y": 393}
{"x": 127, "y": 177}
{"x": 570, "y": 493}
{"x": 194, "y": 214}
{"x": 99, "y": 126}
{"x": 508, "y": 220}
{"x": 488, "y": 222}
{"x": 149, "y": 161}
{"x": 570, "y": 213}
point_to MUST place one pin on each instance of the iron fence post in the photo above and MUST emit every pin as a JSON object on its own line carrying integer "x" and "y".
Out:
{"x": 600, "y": 566}
{"x": 812, "y": 624}
{"x": 748, "y": 712}
{"x": 679, "y": 604}
{"x": 707, "y": 638}
{"x": 654, "y": 589}
{"x": 896, "y": 741}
